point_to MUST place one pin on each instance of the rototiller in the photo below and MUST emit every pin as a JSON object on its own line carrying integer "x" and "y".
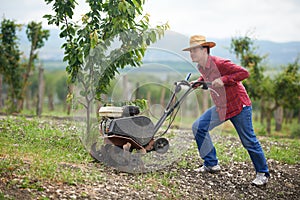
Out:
{"x": 128, "y": 135}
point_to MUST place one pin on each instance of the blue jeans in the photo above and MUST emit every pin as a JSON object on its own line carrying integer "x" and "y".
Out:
{"x": 243, "y": 125}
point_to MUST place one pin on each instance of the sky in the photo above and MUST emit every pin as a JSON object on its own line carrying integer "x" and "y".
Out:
{"x": 274, "y": 20}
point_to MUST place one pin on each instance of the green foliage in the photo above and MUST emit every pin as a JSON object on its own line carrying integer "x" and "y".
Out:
{"x": 62, "y": 88}
{"x": 36, "y": 35}
{"x": 244, "y": 49}
{"x": 10, "y": 61}
{"x": 2, "y": 196}
{"x": 281, "y": 91}
{"x": 86, "y": 46}
{"x": 295, "y": 132}
{"x": 241, "y": 46}
{"x": 92, "y": 59}
{"x": 261, "y": 130}
{"x": 287, "y": 86}
{"x": 56, "y": 83}
{"x": 141, "y": 103}
{"x": 16, "y": 74}
{"x": 156, "y": 91}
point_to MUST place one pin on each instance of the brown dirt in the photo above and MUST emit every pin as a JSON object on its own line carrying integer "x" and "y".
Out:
{"x": 233, "y": 182}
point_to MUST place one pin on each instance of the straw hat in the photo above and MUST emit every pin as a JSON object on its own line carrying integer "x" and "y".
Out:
{"x": 197, "y": 41}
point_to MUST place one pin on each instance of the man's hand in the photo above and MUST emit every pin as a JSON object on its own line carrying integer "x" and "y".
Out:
{"x": 217, "y": 83}
{"x": 195, "y": 85}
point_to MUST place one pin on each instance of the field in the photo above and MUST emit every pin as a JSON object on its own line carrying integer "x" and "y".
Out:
{"x": 43, "y": 158}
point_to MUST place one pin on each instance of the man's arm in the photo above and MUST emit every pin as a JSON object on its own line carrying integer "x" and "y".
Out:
{"x": 232, "y": 73}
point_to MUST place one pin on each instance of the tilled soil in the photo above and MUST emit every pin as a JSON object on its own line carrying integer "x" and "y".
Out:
{"x": 182, "y": 182}
{"x": 233, "y": 182}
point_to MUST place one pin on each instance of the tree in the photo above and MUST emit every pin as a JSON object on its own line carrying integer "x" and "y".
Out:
{"x": 41, "y": 89}
{"x": 37, "y": 36}
{"x": 244, "y": 49}
{"x": 287, "y": 88}
{"x": 281, "y": 92}
{"x": 112, "y": 35}
{"x": 10, "y": 66}
{"x": 268, "y": 101}
{"x": 16, "y": 74}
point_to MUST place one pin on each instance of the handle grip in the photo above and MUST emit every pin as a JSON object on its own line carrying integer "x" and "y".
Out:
{"x": 188, "y": 76}
{"x": 203, "y": 83}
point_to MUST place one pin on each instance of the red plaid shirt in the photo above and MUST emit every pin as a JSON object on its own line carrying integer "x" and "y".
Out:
{"x": 233, "y": 96}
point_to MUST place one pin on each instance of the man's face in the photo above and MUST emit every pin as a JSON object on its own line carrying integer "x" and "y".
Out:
{"x": 198, "y": 54}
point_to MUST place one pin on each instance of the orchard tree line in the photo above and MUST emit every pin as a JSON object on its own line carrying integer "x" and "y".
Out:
{"x": 93, "y": 62}
{"x": 15, "y": 68}
{"x": 278, "y": 96}
{"x": 19, "y": 77}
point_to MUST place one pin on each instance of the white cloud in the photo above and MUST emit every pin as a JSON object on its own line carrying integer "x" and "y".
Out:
{"x": 25, "y": 11}
{"x": 271, "y": 19}
{"x": 33, "y": 10}
{"x": 274, "y": 20}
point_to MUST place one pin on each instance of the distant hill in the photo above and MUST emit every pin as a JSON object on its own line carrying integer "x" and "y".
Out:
{"x": 278, "y": 53}
{"x": 169, "y": 49}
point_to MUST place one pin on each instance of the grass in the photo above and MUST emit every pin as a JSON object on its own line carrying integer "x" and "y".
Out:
{"x": 46, "y": 150}
{"x": 280, "y": 146}
{"x": 41, "y": 149}
{"x": 284, "y": 150}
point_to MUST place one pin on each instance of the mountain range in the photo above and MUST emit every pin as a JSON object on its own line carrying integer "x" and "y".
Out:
{"x": 169, "y": 48}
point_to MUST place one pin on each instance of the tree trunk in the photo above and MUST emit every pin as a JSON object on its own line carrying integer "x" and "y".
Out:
{"x": 51, "y": 102}
{"x": 28, "y": 72}
{"x": 262, "y": 111}
{"x": 269, "y": 118}
{"x": 40, "y": 92}
{"x": 288, "y": 118}
{"x": 28, "y": 98}
{"x": 69, "y": 101}
{"x": 291, "y": 115}
{"x": 88, "y": 121}
{"x": 278, "y": 114}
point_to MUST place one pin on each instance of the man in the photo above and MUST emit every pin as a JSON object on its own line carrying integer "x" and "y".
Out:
{"x": 231, "y": 103}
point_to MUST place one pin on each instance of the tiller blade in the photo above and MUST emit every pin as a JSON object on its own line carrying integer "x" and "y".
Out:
{"x": 118, "y": 158}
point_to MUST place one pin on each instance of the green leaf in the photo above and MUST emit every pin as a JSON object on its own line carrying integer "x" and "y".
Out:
{"x": 105, "y": 22}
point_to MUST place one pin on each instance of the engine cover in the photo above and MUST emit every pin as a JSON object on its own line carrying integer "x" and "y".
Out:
{"x": 111, "y": 111}
{"x": 139, "y": 128}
